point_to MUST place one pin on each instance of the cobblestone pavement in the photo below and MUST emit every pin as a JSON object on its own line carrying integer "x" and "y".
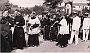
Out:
{"x": 47, "y": 46}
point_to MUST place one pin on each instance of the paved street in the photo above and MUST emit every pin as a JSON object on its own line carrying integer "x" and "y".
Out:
{"x": 47, "y": 46}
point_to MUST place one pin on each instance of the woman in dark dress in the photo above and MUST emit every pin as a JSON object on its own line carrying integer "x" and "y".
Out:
{"x": 4, "y": 27}
{"x": 54, "y": 28}
{"x": 11, "y": 24}
{"x": 19, "y": 36}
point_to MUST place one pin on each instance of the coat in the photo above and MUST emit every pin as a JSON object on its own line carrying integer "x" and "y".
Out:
{"x": 76, "y": 23}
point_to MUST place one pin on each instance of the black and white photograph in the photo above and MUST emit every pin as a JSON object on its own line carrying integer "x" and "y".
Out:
{"x": 50, "y": 26}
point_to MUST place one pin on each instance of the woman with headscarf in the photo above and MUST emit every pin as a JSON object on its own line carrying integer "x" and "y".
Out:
{"x": 4, "y": 27}
{"x": 53, "y": 28}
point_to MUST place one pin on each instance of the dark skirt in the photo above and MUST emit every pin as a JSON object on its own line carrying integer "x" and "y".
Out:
{"x": 19, "y": 38}
{"x": 63, "y": 39}
{"x": 5, "y": 46}
{"x": 33, "y": 40}
{"x": 46, "y": 33}
{"x": 58, "y": 38}
{"x": 6, "y": 42}
{"x": 53, "y": 34}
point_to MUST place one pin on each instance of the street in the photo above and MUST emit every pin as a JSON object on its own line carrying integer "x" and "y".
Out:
{"x": 47, "y": 46}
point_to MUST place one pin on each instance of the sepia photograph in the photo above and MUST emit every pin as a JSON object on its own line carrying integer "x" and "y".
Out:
{"x": 49, "y": 26}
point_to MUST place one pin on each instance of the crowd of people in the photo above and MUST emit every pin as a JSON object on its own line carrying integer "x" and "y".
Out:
{"x": 61, "y": 28}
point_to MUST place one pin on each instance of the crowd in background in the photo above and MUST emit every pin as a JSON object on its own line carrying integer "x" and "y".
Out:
{"x": 54, "y": 27}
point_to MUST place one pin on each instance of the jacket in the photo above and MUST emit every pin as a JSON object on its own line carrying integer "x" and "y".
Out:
{"x": 76, "y": 23}
{"x": 86, "y": 23}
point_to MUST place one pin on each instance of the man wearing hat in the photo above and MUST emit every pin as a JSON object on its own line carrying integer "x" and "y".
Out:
{"x": 75, "y": 28}
{"x": 86, "y": 26}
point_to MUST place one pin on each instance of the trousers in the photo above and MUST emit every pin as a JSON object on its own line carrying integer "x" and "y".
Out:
{"x": 87, "y": 33}
{"x": 74, "y": 33}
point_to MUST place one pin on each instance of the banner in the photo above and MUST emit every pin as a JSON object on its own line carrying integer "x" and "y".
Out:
{"x": 68, "y": 7}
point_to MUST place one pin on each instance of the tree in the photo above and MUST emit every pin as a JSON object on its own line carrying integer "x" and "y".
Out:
{"x": 6, "y": 6}
{"x": 53, "y": 3}
{"x": 38, "y": 9}
{"x": 25, "y": 11}
{"x": 53, "y": 0}
{"x": 48, "y": 0}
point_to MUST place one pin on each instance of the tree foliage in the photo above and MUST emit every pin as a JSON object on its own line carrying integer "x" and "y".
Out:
{"x": 38, "y": 9}
{"x": 53, "y": 3}
{"x": 5, "y": 6}
{"x": 25, "y": 11}
{"x": 48, "y": 0}
{"x": 52, "y": 0}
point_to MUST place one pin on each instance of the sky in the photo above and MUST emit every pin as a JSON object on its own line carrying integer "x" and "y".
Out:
{"x": 26, "y": 3}
{"x": 80, "y": 1}
{"x": 31, "y": 3}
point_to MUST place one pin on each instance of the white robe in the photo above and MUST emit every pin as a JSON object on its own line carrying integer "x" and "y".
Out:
{"x": 32, "y": 22}
{"x": 64, "y": 28}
